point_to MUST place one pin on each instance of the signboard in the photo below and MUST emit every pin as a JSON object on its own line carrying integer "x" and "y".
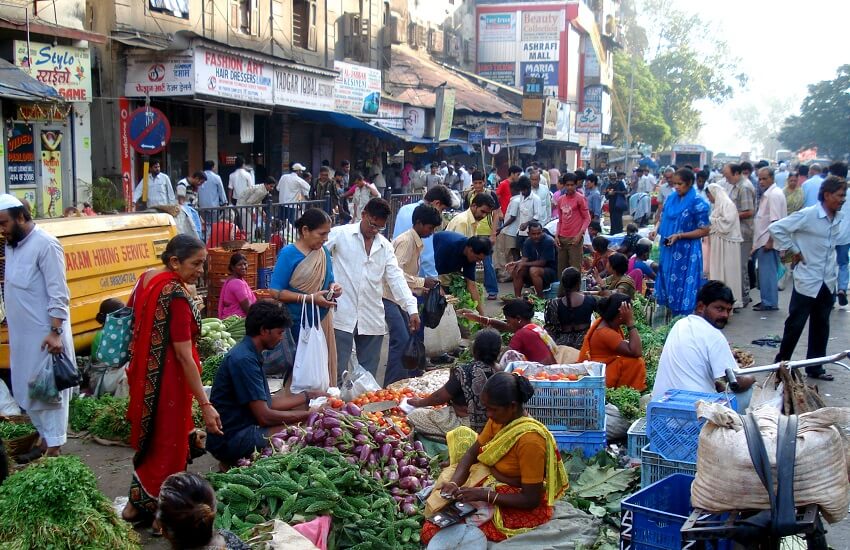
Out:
{"x": 585, "y": 153}
{"x": 445, "y": 113}
{"x": 532, "y": 86}
{"x": 391, "y": 114}
{"x": 540, "y": 51}
{"x": 589, "y": 119}
{"x": 295, "y": 88}
{"x": 159, "y": 77}
{"x": 20, "y": 155}
{"x": 546, "y": 70}
{"x": 475, "y": 137}
{"x": 233, "y": 77}
{"x": 497, "y": 27}
{"x": 495, "y": 131}
{"x": 124, "y": 148}
{"x": 494, "y": 148}
{"x": 562, "y": 128}
{"x": 357, "y": 90}
{"x": 51, "y": 172}
{"x": 542, "y": 25}
{"x": 414, "y": 121}
{"x": 503, "y": 73}
{"x": 550, "y": 118}
{"x": 149, "y": 130}
{"x": 65, "y": 69}
{"x": 591, "y": 62}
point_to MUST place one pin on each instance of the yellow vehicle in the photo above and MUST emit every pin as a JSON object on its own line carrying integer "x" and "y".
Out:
{"x": 104, "y": 256}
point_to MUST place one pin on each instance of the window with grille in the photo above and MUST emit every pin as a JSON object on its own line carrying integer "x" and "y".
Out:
{"x": 304, "y": 24}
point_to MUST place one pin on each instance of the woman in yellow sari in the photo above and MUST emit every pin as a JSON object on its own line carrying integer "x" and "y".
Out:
{"x": 513, "y": 465}
{"x": 303, "y": 269}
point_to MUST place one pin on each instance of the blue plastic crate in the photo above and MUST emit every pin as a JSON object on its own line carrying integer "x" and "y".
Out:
{"x": 653, "y": 517}
{"x": 264, "y": 277}
{"x": 552, "y": 292}
{"x": 570, "y": 406}
{"x": 637, "y": 439}
{"x": 654, "y": 467}
{"x": 672, "y": 426}
{"x": 590, "y": 443}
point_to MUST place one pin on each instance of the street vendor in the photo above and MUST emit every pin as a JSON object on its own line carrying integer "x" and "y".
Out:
{"x": 455, "y": 253}
{"x": 462, "y": 392}
{"x": 530, "y": 342}
{"x": 604, "y": 343}
{"x": 240, "y": 391}
{"x": 696, "y": 354}
{"x": 513, "y": 465}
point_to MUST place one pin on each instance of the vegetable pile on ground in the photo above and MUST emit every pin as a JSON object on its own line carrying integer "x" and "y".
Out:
{"x": 627, "y": 401}
{"x": 209, "y": 368}
{"x": 457, "y": 288}
{"x": 215, "y": 336}
{"x": 13, "y": 430}
{"x": 301, "y": 484}
{"x": 105, "y": 417}
{"x": 55, "y": 503}
{"x": 396, "y": 415}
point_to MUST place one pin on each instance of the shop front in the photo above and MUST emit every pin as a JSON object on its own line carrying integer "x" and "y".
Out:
{"x": 47, "y": 126}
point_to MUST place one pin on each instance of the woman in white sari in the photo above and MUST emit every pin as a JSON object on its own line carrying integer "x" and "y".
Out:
{"x": 724, "y": 239}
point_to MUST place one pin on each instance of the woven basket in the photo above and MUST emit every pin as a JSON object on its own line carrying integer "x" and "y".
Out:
{"x": 19, "y": 445}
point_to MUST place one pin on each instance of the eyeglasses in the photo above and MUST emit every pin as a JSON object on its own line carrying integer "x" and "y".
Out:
{"x": 376, "y": 227}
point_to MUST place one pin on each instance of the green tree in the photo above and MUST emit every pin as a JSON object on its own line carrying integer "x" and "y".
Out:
{"x": 823, "y": 119}
{"x": 648, "y": 123}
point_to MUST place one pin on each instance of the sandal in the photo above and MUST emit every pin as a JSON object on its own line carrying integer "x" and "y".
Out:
{"x": 139, "y": 518}
{"x": 823, "y": 376}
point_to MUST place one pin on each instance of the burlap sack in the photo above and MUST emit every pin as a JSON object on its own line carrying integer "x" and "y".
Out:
{"x": 726, "y": 479}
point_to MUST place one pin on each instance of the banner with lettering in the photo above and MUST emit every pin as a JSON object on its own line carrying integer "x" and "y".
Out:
{"x": 357, "y": 90}
{"x": 294, "y": 88}
{"x": 51, "y": 173}
{"x": 20, "y": 155}
{"x": 64, "y": 68}
{"x": 233, "y": 77}
{"x": 159, "y": 76}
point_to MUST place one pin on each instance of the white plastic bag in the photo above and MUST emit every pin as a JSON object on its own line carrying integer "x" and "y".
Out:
{"x": 444, "y": 338}
{"x": 310, "y": 371}
{"x": 357, "y": 381}
{"x": 42, "y": 385}
{"x": 8, "y": 407}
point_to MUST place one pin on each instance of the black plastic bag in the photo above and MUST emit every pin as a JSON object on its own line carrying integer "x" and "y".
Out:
{"x": 435, "y": 306}
{"x": 65, "y": 372}
{"x": 414, "y": 357}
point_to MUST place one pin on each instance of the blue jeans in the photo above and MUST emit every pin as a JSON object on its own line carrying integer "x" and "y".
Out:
{"x": 842, "y": 252}
{"x": 491, "y": 283}
{"x": 397, "y": 319}
{"x": 768, "y": 262}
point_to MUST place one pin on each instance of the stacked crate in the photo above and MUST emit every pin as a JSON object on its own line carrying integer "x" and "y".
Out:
{"x": 218, "y": 260}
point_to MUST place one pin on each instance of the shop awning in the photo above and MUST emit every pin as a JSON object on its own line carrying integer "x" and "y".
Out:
{"x": 345, "y": 121}
{"x": 18, "y": 85}
{"x": 136, "y": 40}
{"x": 412, "y": 78}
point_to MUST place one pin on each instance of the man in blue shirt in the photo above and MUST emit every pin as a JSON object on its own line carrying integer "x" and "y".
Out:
{"x": 440, "y": 197}
{"x": 593, "y": 196}
{"x": 538, "y": 265}
{"x": 211, "y": 192}
{"x": 811, "y": 187}
{"x": 240, "y": 393}
{"x": 455, "y": 253}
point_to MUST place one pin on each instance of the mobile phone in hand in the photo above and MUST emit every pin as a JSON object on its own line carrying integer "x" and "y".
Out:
{"x": 329, "y": 296}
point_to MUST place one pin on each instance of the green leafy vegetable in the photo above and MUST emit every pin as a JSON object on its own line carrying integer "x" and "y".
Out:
{"x": 111, "y": 422}
{"x": 12, "y": 430}
{"x": 627, "y": 400}
{"x": 209, "y": 368}
{"x": 598, "y": 482}
{"x": 55, "y": 503}
{"x": 82, "y": 411}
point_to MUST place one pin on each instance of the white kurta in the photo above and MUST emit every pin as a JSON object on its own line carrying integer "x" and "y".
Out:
{"x": 35, "y": 291}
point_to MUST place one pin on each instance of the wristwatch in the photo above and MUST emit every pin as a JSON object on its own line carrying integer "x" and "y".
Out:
{"x": 57, "y": 330}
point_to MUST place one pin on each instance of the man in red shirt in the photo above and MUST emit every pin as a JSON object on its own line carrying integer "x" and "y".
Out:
{"x": 573, "y": 220}
{"x": 503, "y": 190}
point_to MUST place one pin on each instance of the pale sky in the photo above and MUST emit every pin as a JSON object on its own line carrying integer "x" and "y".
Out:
{"x": 784, "y": 45}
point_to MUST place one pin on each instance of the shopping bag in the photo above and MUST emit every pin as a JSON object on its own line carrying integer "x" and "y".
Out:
{"x": 8, "y": 406}
{"x": 42, "y": 385}
{"x": 434, "y": 307}
{"x": 310, "y": 369}
{"x": 415, "y": 357}
{"x": 357, "y": 381}
{"x": 65, "y": 373}
{"x": 446, "y": 337}
{"x": 280, "y": 359}
{"x": 114, "y": 349}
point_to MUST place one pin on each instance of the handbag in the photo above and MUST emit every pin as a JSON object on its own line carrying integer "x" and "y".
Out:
{"x": 310, "y": 370}
{"x": 65, "y": 372}
{"x": 114, "y": 348}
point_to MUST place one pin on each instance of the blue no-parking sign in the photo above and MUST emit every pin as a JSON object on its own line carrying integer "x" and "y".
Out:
{"x": 149, "y": 130}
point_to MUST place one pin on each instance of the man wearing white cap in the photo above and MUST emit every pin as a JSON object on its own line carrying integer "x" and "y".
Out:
{"x": 292, "y": 187}
{"x": 38, "y": 313}
{"x": 781, "y": 175}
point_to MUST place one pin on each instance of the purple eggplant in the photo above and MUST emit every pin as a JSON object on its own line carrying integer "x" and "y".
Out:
{"x": 422, "y": 462}
{"x": 410, "y": 483}
{"x": 372, "y": 460}
{"x": 392, "y": 476}
{"x": 351, "y": 460}
{"x": 311, "y": 419}
{"x": 398, "y": 454}
{"x": 393, "y": 463}
{"x": 377, "y": 476}
{"x": 352, "y": 409}
{"x": 380, "y": 436}
{"x": 418, "y": 446}
{"x": 330, "y": 441}
{"x": 386, "y": 452}
{"x": 358, "y": 425}
{"x": 330, "y": 422}
{"x": 335, "y": 432}
{"x": 365, "y": 453}
{"x": 361, "y": 438}
{"x": 409, "y": 509}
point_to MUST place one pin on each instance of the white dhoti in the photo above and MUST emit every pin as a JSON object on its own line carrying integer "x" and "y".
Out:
{"x": 36, "y": 291}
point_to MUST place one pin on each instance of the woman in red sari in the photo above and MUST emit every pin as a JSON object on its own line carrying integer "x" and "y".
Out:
{"x": 164, "y": 374}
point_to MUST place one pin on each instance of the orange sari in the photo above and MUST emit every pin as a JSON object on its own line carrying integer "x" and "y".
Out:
{"x": 160, "y": 409}
{"x": 600, "y": 345}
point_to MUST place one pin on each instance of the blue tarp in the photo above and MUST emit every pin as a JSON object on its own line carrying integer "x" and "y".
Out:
{"x": 343, "y": 120}
{"x": 17, "y": 84}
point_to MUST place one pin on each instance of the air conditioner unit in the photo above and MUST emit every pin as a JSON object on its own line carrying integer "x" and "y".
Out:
{"x": 395, "y": 31}
{"x": 355, "y": 36}
{"x": 436, "y": 42}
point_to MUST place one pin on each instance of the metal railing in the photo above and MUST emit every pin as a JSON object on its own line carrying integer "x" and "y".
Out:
{"x": 254, "y": 223}
{"x": 396, "y": 202}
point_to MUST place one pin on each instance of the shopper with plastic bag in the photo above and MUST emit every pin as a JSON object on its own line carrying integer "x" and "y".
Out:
{"x": 37, "y": 310}
{"x": 408, "y": 250}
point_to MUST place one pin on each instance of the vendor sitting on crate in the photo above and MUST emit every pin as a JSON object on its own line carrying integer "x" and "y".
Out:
{"x": 513, "y": 465}
{"x": 696, "y": 354}
{"x": 604, "y": 343}
{"x": 240, "y": 392}
{"x": 236, "y": 295}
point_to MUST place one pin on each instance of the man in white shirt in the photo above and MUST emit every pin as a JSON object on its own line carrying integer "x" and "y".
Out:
{"x": 240, "y": 180}
{"x": 160, "y": 191}
{"x": 772, "y": 207}
{"x": 188, "y": 188}
{"x": 811, "y": 235}
{"x": 541, "y": 190}
{"x": 363, "y": 262}
{"x": 361, "y": 193}
{"x": 292, "y": 187}
{"x": 529, "y": 209}
{"x": 646, "y": 183}
{"x": 696, "y": 354}
{"x": 434, "y": 178}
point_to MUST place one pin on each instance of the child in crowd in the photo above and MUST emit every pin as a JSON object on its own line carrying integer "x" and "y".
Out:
{"x": 627, "y": 248}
